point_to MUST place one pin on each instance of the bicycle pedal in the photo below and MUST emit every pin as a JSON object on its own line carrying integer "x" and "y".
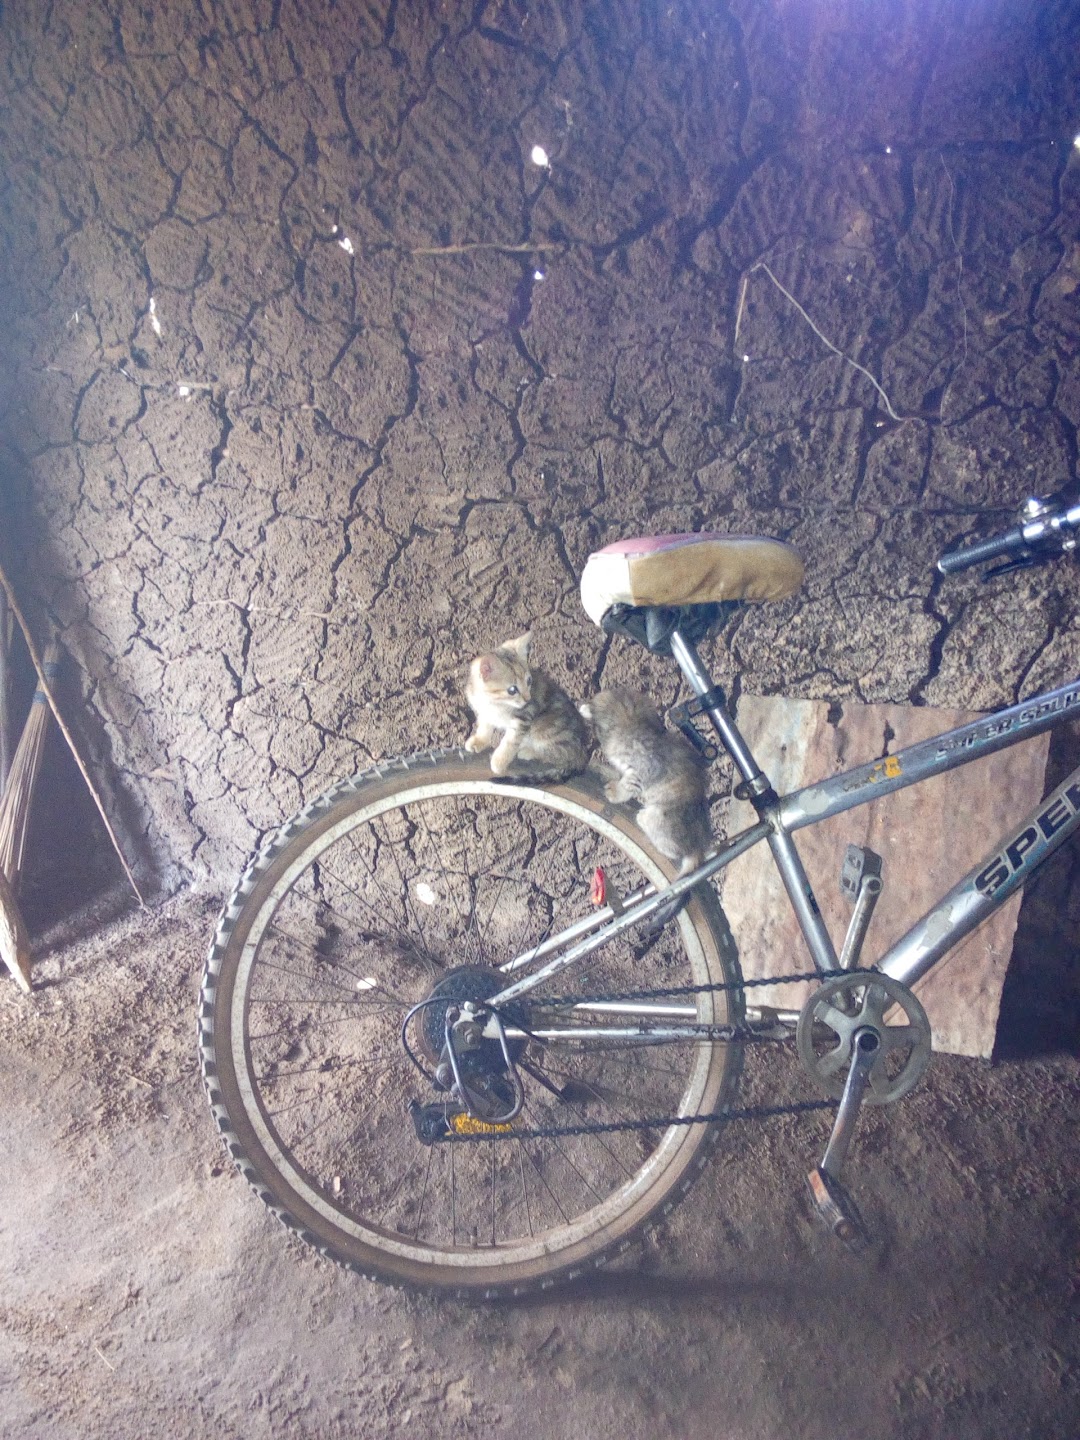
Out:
{"x": 860, "y": 863}
{"x": 835, "y": 1207}
{"x": 431, "y": 1122}
{"x": 860, "y": 882}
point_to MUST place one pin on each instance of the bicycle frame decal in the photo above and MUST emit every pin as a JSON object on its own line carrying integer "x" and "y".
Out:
{"x": 986, "y": 887}
{"x": 1018, "y": 855}
{"x": 929, "y": 757}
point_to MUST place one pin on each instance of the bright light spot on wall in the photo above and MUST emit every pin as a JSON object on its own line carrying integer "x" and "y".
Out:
{"x": 347, "y": 245}
{"x": 539, "y": 156}
{"x": 746, "y": 359}
{"x": 425, "y": 894}
{"x": 1076, "y": 142}
{"x": 888, "y": 149}
{"x": 538, "y": 275}
{"x": 367, "y": 984}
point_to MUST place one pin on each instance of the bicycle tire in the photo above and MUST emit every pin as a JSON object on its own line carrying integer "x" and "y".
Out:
{"x": 313, "y": 1107}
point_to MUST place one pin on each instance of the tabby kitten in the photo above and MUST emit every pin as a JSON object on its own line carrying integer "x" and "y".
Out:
{"x": 657, "y": 769}
{"x": 542, "y": 737}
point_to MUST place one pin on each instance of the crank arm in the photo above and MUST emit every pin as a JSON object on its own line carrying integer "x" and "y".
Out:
{"x": 866, "y": 1047}
{"x": 831, "y": 1200}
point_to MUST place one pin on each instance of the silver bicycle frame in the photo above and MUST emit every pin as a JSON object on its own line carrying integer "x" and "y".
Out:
{"x": 983, "y": 889}
{"x": 1003, "y": 871}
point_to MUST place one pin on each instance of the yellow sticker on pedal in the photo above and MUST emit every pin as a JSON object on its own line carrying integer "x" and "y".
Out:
{"x": 467, "y": 1125}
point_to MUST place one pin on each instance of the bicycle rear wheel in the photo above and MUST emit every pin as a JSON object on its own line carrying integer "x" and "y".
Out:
{"x": 346, "y": 920}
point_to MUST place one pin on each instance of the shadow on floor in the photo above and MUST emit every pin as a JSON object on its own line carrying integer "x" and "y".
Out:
{"x": 1040, "y": 1005}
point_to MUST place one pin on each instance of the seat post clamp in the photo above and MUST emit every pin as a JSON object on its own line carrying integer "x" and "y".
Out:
{"x": 754, "y": 789}
{"x": 713, "y": 698}
{"x": 683, "y": 716}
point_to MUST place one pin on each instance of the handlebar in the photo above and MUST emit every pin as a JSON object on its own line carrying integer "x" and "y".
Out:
{"x": 1049, "y": 527}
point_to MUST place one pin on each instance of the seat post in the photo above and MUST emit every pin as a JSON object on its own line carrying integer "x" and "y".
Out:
{"x": 759, "y": 792}
{"x": 700, "y": 681}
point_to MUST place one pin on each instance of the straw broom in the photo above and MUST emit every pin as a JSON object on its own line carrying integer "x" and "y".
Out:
{"x": 45, "y": 688}
{"x": 14, "y": 824}
{"x": 16, "y": 791}
{"x": 5, "y": 666}
{"x": 14, "y": 942}
{"x": 22, "y": 779}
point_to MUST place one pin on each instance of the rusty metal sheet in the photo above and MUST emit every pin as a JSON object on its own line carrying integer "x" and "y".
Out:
{"x": 928, "y": 836}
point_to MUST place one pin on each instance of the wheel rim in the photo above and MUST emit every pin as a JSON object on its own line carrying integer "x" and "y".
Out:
{"x": 346, "y": 931}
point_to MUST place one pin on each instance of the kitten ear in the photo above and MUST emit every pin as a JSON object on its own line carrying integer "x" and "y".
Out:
{"x": 485, "y": 667}
{"x": 585, "y": 709}
{"x": 520, "y": 646}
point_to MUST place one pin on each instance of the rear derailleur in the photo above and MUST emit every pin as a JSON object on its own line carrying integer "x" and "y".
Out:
{"x": 475, "y": 1061}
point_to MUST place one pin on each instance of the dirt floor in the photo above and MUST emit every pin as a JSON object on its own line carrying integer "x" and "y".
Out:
{"x": 144, "y": 1287}
{"x": 313, "y": 384}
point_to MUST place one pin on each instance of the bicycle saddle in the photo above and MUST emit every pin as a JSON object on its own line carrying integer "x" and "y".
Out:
{"x": 677, "y": 570}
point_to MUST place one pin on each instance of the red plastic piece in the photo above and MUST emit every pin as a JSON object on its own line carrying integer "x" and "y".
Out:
{"x": 598, "y": 893}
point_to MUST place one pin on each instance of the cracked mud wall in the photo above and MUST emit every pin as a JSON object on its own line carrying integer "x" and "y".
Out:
{"x": 313, "y": 384}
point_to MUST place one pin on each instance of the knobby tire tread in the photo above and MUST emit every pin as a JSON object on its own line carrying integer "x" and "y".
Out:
{"x": 269, "y": 852}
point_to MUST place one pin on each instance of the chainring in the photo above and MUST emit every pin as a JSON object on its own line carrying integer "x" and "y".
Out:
{"x": 856, "y": 1002}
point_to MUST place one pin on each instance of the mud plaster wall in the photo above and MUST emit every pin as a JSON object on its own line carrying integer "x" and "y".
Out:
{"x": 313, "y": 384}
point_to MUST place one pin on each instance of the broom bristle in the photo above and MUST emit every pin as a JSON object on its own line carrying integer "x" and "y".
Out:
{"x": 21, "y": 780}
{"x": 19, "y": 790}
{"x": 5, "y": 666}
{"x": 14, "y": 944}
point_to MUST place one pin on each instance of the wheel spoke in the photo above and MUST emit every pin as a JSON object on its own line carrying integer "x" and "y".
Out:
{"x": 423, "y": 1192}
{"x": 415, "y": 880}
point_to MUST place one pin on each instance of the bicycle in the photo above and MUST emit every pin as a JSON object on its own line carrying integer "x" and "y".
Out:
{"x": 386, "y": 1040}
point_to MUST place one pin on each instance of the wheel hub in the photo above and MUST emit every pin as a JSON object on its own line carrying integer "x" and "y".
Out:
{"x": 478, "y": 1069}
{"x": 465, "y": 984}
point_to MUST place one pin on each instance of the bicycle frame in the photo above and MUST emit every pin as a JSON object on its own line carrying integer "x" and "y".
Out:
{"x": 1003, "y": 871}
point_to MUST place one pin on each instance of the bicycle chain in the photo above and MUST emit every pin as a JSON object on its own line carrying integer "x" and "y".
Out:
{"x": 665, "y": 993}
{"x": 660, "y": 1122}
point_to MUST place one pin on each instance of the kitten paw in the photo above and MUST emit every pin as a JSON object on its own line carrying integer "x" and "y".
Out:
{"x": 474, "y": 745}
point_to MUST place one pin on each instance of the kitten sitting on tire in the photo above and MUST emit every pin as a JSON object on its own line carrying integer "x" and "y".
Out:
{"x": 540, "y": 735}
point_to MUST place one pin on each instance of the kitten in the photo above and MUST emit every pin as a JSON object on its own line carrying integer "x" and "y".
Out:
{"x": 656, "y": 768}
{"x": 542, "y": 734}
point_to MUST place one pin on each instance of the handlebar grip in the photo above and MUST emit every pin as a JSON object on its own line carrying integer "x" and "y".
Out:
{"x": 1011, "y": 543}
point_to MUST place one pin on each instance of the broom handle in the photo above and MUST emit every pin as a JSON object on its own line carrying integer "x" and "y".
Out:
{"x": 46, "y": 689}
